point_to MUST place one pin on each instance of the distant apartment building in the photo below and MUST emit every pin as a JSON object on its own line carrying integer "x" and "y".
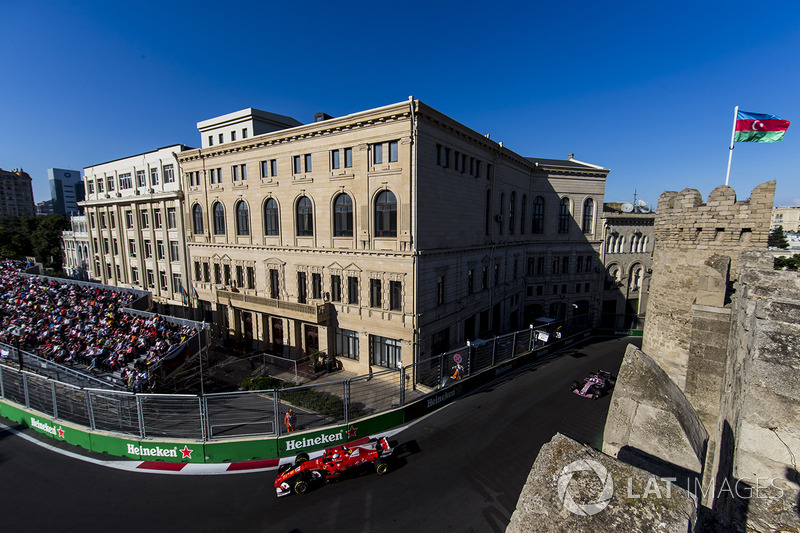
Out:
{"x": 66, "y": 190}
{"x": 628, "y": 263}
{"x": 787, "y": 217}
{"x": 44, "y": 208}
{"x": 382, "y": 237}
{"x": 16, "y": 194}
{"x": 135, "y": 219}
{"x": 75, "y": 248}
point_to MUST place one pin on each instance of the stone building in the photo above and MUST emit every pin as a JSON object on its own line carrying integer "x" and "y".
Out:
{"x": 16, "y": 194}
{"x": 628, "y": 263}
{"x": 135, "y": 212}
{"x": 385, "y": 236}
{"x": 787, "y": 217}
{"x": 75, "y": 248}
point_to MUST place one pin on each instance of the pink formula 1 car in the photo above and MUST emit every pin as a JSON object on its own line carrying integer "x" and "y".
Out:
{"x": 597, "y": 384}
{"x": 333, "y": 463}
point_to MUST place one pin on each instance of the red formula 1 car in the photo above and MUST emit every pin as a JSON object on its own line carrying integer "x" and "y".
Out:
{"x": 333, "y": 463}
{"x": 594, "y": 386}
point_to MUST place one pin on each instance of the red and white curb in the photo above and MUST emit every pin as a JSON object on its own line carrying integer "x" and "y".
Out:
{"x": 191, "y": 469}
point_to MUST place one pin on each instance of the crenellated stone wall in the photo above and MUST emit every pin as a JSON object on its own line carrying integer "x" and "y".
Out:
{"x": 694, "y": 262}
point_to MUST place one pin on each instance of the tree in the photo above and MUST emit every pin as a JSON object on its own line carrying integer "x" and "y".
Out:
{"x": 787, "y": 263}
{"x": 777, "y": 239}
{"x": 46, "y": 240}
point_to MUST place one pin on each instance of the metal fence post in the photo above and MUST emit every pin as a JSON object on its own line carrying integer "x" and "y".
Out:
{"x": 203, "y": 417}
{"x": 346, "y": 400}
{"x": 25, "y": 389}
{"x": 494, "y": 350}
{"x": 140, "y": 416}
{"x": 55, "y": 403}
{"x": 90, "y": 410}
{"x": 276, "y": 411}
{"x": 441, "y": 371}
{"x": 514, "y": 346}
{"x": 403, "y": 386}
{"x": 530, "y": 341}
{"x": 2, "y": 390}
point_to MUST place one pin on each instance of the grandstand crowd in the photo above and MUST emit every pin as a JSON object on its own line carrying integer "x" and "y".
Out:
{"x": 84, "y": 325}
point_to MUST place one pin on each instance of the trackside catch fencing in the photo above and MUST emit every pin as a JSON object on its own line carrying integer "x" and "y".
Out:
{"x": 261, "y": 413}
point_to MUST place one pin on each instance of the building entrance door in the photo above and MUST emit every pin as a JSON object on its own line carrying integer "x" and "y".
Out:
{"x": 277, "y": 336}
{"x": 312, "y": 339}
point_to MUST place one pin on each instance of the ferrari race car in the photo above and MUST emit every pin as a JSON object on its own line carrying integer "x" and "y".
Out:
{"x": 333, "y": 463}
{"x": 594, "y": 386}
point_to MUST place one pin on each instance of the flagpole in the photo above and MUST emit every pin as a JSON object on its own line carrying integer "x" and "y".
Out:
{"x": 733, "y": 135}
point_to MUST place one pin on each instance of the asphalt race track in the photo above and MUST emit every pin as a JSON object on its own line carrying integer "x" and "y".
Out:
{"x": 460, "y": 469}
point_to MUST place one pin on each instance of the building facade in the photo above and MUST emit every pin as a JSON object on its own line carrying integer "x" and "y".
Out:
{"x": 386, "y": 236}
{"x": 66, "y": 190}
{"x": 135, "y": 219}
{"x": 16, "y": 194}
{"x": 75, "y": 247}
{"x": 787, "y": 217}
{"x": 628, "y": 263}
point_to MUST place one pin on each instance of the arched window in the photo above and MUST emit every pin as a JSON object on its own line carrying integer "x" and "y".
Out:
{"x": 512, "y": 200}
{"x": 563, "y": 216}
{"x": 242, "y": 218}
{"x": 588, "y": 215}
{"x": 343, "y": 216}
{"x": 636, "y": 277}
{"x": 644, "y": 244}
{"x": 537, "y": 224}
{"x": 522, "y": 214}
{"x": 305, "y": 217}
{"x": 197, "y": 219}
{"x": 271, "y": 217}
{"x": 219, "y": 219}
{"x": 386, "y": 215}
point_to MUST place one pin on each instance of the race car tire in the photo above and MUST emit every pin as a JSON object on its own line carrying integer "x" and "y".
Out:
{"x": 595, "y": 393}
{"x": 381, "y": 467}
{"x": 300, "y": 458}
{"x": 575, "y": 386}
{"x": 300, "y": 486}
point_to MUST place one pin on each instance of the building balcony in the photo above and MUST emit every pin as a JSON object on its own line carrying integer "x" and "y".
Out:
{"x": 313, "y": 313}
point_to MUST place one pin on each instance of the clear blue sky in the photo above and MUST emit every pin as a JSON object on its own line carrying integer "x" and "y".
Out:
{"x": 646, "y": 89}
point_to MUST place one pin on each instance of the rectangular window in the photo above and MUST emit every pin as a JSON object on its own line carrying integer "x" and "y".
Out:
{"x": 556, "y": 265}
{"x": 151, "y": 279}
{"x": 336, "y": 288}
{"x": 440, "y": 290}
{"x": 134, "y": 275}
{"x": 540, "y": 266}
{"x": 141, "y": 180}
{"x": 385, "y": 352}
{"x": 110, "y": 184}
{"x": 588, "y": 263}
{"x": 565, "y": 264}
{"x": 301, "y": 287}
{"x": 233, "y": 135}
{"x": 316, "y": 285}
{"x": 132, "y": 247}
{"x": 347, "y": 343}
{"x": 395, "y": 296}
{"x": 377, "y": 154}
{"x": 157, "y": 218}
{"x": 111, "y": 218}
{"x": 114, "y": 245}
{"x": 244, "y": 133}
{"x": 211, "y": 140}
{"x": 470, "y": 281}
{"x": 91, "y": 186}
{"x": 273, "y": 283}
{"x": 148, "y": 250}
{"x": 297, "y": 165}
{"x": 265, "y": 169}
{"x": 173, "y": 250}
{"x": 251, "y": 277}
{"x": 172, "y": 219}
{"x": 446, "y": 160}
{"x": 587, "y": 287}
{"x": 239, "y": 276}
{"x": 334, "y": 159}
{"x": 226, "y": 274}
{"x": 212, "y": 174}
{"x": 177, "y": 283}
{"x": 348, "y": 157}
{"x": 105, "y": 247}
{"x": 125, "y": 181}
{"x": 206, "y": 273}
{"x": 198, "y": 273}
{"x": 375, "y": 293}
{"x": 307, "y": 158}
{"x": 163, "y": 278}
{"x": 352, "y": 290}
{"x": 145, "y": 220}
{"x": 217, "y": 274}
{"x": 160, "y": 249}
{"x": 153, "y": 177}
{"x": 393, "y": 152}
{"x": 103, "y": 220}
{"x": 273, "y": 167}
{"x": 244, "y": 172}
{"x": 99, "y": 186}
{"x": 579, "y": 264}
{"x": 235, "y": 172}
{"x": 484, "y": 278}
{"x": 221, "y": 138}
{"x": 169, "y": 174}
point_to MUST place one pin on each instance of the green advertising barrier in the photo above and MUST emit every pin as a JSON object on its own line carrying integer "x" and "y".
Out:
{"x": 241, "y": 450}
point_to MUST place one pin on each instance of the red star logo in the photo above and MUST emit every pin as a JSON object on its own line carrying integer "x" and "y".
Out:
{"x": 352, "y": 432}
{"x": 187, "y": 453}
{"x": 60, "y": 433}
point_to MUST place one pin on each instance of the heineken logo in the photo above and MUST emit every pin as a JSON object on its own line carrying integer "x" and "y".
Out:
{"x": 502, "y": 369}
{"x": 305, "y": 442}
{"x": 47, "y": 428}
{"x": 158, "y": 451}
{"x": 440, "y": 398}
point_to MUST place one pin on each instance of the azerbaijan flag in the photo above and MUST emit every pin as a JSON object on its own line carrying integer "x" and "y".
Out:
{"x": 759, "y": 128}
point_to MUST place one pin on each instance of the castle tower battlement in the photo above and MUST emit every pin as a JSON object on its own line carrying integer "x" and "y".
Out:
{"x": 694, "y": 261}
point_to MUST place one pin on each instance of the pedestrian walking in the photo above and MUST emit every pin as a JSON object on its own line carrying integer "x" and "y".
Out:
{"x": 290, "y": 420}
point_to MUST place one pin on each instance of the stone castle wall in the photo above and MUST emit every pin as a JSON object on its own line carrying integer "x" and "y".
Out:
{"x": 692, "y": 241}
